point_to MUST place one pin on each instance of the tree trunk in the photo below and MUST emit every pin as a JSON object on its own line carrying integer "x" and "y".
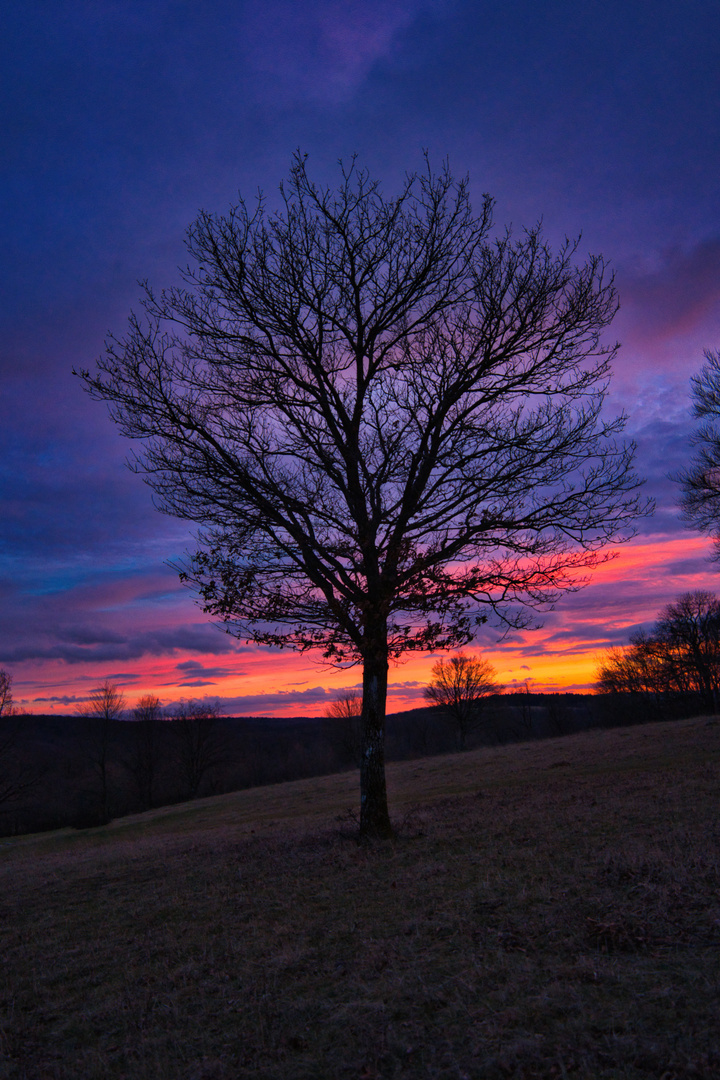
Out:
{"x": 374, "y": 816}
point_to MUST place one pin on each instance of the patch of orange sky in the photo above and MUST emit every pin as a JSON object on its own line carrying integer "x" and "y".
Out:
{"x": 563, "y": 654}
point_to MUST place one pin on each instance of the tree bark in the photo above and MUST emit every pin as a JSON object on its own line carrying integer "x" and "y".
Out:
{"x": 374, "y": 816}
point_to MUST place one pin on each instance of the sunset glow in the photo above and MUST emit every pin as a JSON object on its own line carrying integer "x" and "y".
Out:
{"x": 561, "y": 655}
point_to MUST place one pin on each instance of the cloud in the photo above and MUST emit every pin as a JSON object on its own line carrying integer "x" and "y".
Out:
{"x": 194, "y": 673}
{"x": 323, "y": 52}
{"x": 58, "y": 699}
{"x": 674, "y": 297}
{"x": 282, "y": 700}
{"x": 688, "y": 567}
{"x": 84, "y": 644}
{"x": 573, "y": 639}
{"x": 193, "y": 667}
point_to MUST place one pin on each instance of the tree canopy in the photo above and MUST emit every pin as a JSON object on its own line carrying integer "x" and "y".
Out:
{"x": 386, "y": 419}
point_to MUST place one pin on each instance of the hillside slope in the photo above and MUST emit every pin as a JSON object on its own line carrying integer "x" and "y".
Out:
{"x": 547, "y": 909}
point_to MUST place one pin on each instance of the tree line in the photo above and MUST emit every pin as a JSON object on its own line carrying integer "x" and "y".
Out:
{"x": 85, "y": 770}
{"x": 674, "y": 667}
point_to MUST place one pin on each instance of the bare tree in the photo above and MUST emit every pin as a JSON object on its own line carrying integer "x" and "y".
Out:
{"x": 559, "y": 714}
{"x": 18, "y": 775}
{"x": 104, "y": 706}
{"x": 388, "y": 423}
{"x": 106, "y": 702}
{"x": 144, "y": 757}
{"x": 347, "y": 729}
{"x": 201, "y": 746}
{"x": 643, "y": 672}
{"x": 689, "y": 632}
{"x": 6, "y": 698}
{"x": 148, "y": 708}
{"x": 701, "y": 482}
{"x": 523, "y": 725}
{"x": 348, "y": 704}
{"x": 634, "y": 669}
{"x": 679, "y": 658}
{"x": 459, "y": 685}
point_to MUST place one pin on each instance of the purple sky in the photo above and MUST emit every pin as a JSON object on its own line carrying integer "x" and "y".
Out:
{"x": 121, "y": 120}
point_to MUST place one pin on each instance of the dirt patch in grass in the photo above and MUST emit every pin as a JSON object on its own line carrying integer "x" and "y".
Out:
{"x": 546, "y": 910}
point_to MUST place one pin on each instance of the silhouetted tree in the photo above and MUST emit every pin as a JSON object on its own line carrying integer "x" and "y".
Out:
{"x": 148, "y": 709}
{"x": 387, "y": 422}
{"x": 679, "y": 658}
{"x": 143, "y": 759}
{"x": 459, "y": 686}
{"x": 641, "y": 672}
{"x": 201, "y": 746}
{"x": 347, "y": 729}
{"x": 104, "y": 706}
{"x": 559, "y": 716}
{"x": 689, "y": 631}
{"x": 6, "y": 698}
{"x": 522, "y": 724}
{"x": 17, "y": 775}
{"x": 701, "y": 482}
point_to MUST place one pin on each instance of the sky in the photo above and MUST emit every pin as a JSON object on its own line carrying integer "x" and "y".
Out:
{"x": 121, "y": 120}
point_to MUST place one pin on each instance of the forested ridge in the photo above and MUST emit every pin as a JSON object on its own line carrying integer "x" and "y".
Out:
{"x": 147, "y": 762}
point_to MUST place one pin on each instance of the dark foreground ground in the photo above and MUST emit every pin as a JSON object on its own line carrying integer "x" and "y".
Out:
{"x": 549, "y": 909}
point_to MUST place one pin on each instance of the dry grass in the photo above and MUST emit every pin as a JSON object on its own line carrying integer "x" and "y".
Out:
{"x": 547, "y": 910}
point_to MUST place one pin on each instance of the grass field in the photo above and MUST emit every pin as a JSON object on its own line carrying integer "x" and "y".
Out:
{"x": 546, "y": 910}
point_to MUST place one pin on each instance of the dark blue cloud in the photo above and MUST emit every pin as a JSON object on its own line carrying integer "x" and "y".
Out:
{"x": 688, "y": 567}
{"x": 678, "y": 291}
{"x": 258, "y": 704}
{"x": 195, "y": 673}
{"x": 85, "y": 645}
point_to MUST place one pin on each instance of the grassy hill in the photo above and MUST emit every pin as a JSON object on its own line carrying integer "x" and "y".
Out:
{"x": 547, "y": 909}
